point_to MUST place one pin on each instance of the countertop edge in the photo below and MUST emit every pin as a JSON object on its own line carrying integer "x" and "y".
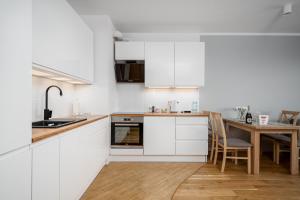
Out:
{"x": 161, "y": 114}
{"x": 53, "y": 132}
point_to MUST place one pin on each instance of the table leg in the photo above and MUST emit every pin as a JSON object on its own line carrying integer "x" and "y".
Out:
{"x": 294, "y": 154}
{"x": 255, "y": 141}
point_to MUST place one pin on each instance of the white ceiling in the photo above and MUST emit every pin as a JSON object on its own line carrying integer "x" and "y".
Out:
{"x": 202, "y": 16}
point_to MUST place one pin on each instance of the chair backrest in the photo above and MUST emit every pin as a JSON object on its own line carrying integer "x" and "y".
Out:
{"x": 209, "y": 119}
{"x": 218, "y": 127}
{"x": 289, "y": 117}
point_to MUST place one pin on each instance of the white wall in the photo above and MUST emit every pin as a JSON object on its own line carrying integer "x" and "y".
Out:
{"x": 60, "y": 105}
{"x": 100, "y": 98}
{"x": 260, "y": 71}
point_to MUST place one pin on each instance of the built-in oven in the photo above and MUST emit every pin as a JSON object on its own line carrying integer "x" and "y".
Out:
{"x": 127, "y": 132}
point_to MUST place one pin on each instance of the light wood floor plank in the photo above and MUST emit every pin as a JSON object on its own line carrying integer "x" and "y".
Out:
{"x": 137, "y": 181}
{"x": 274, "y": 182}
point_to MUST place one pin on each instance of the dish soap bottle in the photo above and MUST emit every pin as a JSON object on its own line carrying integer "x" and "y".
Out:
{"x": 248, "y": 116}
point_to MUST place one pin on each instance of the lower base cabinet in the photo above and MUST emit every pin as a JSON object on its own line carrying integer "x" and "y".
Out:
{"x": 191, "y": 148}
{"x": 64, "y": 167}
{"x": 15, "y": 175}
{"x": 81, "y": 158}
{"x": 45, "y": 170}
{"x": 159, "y": 136}
{"x": 180, "y": 136}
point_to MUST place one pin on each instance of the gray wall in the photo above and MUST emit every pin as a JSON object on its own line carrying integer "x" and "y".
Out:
{"x": 260, "y": 71}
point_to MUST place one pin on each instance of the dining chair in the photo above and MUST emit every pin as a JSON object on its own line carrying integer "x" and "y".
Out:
{"x": 279, "y": 140}
{"x": 211, "y": 136}
{"x": 228, "y": 144}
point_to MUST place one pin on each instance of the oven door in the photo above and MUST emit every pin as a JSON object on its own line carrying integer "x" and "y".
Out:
{"x": 126, "y": 134}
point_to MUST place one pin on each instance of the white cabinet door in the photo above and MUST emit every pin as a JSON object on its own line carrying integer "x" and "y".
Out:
{"x": 15, "y": 173}
{"x": 189, "y": 64}
{"x": 129, "y": 50}
{"x": 83, "y": 153}
{"x": 71, "y": 166}
{"x": 15, "y": 74}
{"x": 61, "y": 40}
{"x": 159, "y": 64}
{"x": 45, "y": 170}
{"x": 159, "y": 136}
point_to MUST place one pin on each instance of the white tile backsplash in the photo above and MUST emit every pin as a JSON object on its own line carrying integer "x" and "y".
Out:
{"x": 60, "y": 105}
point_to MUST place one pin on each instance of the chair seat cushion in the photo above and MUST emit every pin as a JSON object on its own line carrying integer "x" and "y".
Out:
{"x": 282, "y": 138}
{"x": 236, "y": 142}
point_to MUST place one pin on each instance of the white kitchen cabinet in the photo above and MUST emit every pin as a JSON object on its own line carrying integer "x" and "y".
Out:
{"x": 191, "y": 136}
{"x": 159, "y": 135}
{"x": 15, "y": 74}
{"x": 129, "y": 50}
{"x": 83, "y": 152}
{"x": 191, "y": 147}
{"x": 159, "y": 64}
{"x": 188, "y": 132}
{"x": 45, "y": 170}
{"x": 191, "y": 120}
{"x": 189, "y": 64}
{"x": 15, "y": 173}
{"x": 61, "y": 40}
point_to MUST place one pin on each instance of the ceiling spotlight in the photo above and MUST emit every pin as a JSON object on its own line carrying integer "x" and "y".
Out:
{"x": 287, "y": 9}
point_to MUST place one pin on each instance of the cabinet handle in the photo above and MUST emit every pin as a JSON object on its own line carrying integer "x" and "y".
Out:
{"x": 126, "y": 124}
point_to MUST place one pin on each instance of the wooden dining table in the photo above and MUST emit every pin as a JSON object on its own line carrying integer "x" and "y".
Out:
{"x": 256, "y": 130}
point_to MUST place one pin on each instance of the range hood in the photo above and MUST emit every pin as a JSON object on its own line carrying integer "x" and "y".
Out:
{"x": 130, "y": 71}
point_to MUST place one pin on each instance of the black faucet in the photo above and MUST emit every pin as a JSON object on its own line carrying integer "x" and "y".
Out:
{"x": 47, "y": 112}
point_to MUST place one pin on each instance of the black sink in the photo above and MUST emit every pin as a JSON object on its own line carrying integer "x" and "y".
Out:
{"x": 55, "y": 123}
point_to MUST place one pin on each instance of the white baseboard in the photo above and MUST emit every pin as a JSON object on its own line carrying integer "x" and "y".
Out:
{"x": 158, "y": 159}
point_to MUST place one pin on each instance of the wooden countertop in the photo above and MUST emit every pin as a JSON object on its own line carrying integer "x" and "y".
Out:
{"x": 43, "y": 133}
{"x": 148, "y": 114}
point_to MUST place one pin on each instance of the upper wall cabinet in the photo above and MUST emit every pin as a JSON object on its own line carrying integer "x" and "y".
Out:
{"x": 129, "y": 50}
{"x": 61, "y": 40}
{"x": 159, "y": 61}
{"x": 179, "y": 64}
{"x": 189, "y": 64}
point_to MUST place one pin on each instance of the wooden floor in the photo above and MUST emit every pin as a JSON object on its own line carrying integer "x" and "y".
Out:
{"x": 158, "y": 181}
{"x": 273, "y": 183}
{"x": 137, "y": 181}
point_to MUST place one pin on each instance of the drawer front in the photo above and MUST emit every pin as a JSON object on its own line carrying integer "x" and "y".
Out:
{"x": 191, "y": 120}
{"x": 184, "y": 148}
{"x": 185, "y": 132}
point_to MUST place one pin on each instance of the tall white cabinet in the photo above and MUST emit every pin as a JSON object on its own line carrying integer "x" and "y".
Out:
{"x": 189, "y": 64}
{"x": 15, "y": 74}
{"x": 61, "y": 40}
{"x": 159, "y": 62}
{"x": 15, "y": 175}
